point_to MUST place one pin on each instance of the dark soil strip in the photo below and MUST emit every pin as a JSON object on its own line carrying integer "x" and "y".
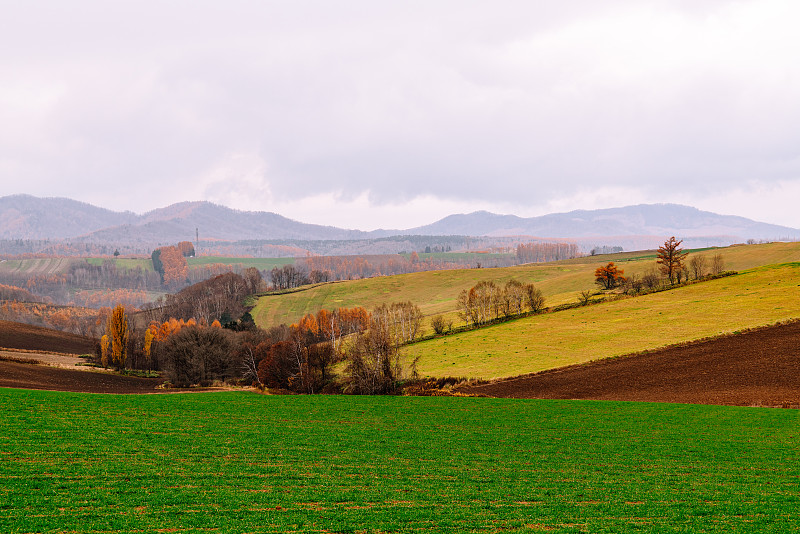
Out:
{"x": 20, "y": 375}
{"x": 756, "y": 368}
{"x": 27, "y": 337}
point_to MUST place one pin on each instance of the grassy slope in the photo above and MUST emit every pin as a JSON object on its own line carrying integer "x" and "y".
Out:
{"x": 753, "y": 298}
{"x": 436, "y": 291}
{"x": 236, "y": 462}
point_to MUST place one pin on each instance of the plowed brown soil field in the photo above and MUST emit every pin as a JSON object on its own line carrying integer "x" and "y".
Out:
{"x": 30, "y": 376}
{"x": 27, "y": 337}
{"x": 760, "y": 367}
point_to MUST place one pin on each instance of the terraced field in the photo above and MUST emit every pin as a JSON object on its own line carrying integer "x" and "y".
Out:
{"x": 36, "y": 265}
{"x": 756, "y": 297}
{"x": 437, "y": 291}
{"x": 238, "y": 462}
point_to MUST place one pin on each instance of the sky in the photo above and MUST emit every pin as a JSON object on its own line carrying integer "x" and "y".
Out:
{"x": 364, "y": 114}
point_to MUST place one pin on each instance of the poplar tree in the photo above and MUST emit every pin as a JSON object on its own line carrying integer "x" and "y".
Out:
{"x": 117, "y": 331}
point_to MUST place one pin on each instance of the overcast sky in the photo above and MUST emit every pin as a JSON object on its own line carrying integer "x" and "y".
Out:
{"x": 376, "y": 114}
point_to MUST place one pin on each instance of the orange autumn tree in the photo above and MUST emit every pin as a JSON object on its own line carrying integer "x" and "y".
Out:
{"x": 609, "y": 276}
{"x": 117, "y": 332}
{"x": 176, "y": 269}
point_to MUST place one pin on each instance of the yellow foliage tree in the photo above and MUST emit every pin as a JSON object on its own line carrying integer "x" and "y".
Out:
{"x": 104, "y": 350}
{"x": 149, "y": 335}
{"x": 117, "y": 331}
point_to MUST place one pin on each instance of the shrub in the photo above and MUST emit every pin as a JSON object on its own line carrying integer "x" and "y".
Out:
{"x": 438, "y": 324}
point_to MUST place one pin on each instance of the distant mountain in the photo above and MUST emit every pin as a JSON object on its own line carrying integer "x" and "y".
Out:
{"x": 28, "y": 217}
{"x": 32, "y": 218}
{"x": 640, "y": 220}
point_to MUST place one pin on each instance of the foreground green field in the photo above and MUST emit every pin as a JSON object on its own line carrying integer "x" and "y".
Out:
{"x": 239, "y": 462}
{"x": 757, "y": 297}
{"x": 437, "y": 291}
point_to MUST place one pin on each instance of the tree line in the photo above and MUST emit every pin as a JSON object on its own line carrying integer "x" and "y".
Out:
{"x": 220, "y": 297}
{"x": 673, "y": 266}
{"x": 316, "y": 269}
{"x": 298, "y": 357}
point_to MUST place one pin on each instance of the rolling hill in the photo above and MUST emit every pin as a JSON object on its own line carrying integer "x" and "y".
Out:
{"x": 763, "y": 293}
{"x": 436, "y": 291}
{"x": 753, "y": 298}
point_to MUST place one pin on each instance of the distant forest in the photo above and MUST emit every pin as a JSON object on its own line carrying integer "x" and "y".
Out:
{"x": 105, "y": 282}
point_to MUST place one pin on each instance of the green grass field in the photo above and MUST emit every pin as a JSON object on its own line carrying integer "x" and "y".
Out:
{"x": 59, "y": 265}
{"x": 437, "y": 291}
{"x": 757, "y": 297}
{"x": 262, "y": 264}
{"x": 125, "y": 263}
{"x": 239, "y": 462}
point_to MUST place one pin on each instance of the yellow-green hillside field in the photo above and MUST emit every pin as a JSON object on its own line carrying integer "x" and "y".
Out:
{"x": 756, "y": 297}
{"x": 436, "y": 291}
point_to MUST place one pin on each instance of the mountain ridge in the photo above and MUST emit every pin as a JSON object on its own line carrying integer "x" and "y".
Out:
{"x": 31, "y": 218}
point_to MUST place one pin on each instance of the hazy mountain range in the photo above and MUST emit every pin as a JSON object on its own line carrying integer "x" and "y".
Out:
{"x": 31, "y": 218}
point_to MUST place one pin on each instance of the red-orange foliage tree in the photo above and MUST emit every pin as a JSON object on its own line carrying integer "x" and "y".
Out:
{"x": 609, "y": 276}
{"x": 176, "y": 269}
{"x": 671, "y": 258}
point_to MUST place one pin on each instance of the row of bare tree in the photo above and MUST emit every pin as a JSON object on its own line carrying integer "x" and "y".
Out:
{"x": 487, "y": 301}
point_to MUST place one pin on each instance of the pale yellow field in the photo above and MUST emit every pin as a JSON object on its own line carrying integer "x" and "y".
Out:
{"x": 757, "y": 297}
{"x": 436, "y": 292}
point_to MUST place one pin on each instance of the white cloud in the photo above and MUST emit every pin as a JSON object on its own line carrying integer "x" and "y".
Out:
{"x": 772, "y": 202}
{"x": 367, "y": 114}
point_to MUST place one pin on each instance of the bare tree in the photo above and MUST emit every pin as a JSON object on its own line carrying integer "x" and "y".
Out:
{"x": 250, "y": 366}
{"x": 438, "y": 324}
{"x": 717, "y": 264}
{"x": 698, "y": 266}
{"x": 534, "y": 298}
{"x": 632, "y": 285}
{"x": 373, "y": 362}
{"x": 584, "y": 297}
{"x": 513, "y": 298}
{"x": 477, "y": 304}
{"x": 650, "y": 279}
